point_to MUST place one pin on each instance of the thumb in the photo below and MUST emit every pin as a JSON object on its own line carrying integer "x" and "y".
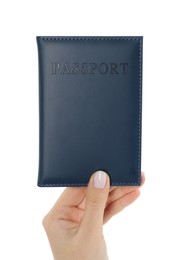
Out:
{"x": 96, "y": 198}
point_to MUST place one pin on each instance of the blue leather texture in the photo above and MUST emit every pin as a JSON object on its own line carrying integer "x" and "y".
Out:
{"x": 90, "y": 109}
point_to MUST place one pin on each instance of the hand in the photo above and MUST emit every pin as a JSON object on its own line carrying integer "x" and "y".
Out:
{"x": 74, "y": 225}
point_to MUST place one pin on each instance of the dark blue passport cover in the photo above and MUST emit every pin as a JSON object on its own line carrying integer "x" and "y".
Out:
{"x": 90, "y": 109}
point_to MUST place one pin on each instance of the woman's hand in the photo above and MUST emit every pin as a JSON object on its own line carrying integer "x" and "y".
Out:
{"x": 74, "y": 225}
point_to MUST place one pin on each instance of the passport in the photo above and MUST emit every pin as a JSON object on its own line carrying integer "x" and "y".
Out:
{"x": 90, "y": 109}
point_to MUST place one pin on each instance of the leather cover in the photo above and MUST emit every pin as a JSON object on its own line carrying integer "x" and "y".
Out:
{"x": 90, "y": 106}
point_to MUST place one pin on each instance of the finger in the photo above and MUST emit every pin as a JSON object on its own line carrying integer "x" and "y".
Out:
{"x": 96, "y": 197}
{"x": 116, "y": 206}
{"x": 118, "y": 192}
{"x": 72, "y": 214}
{"x": 142, "y": 178}
{"x": 70, "y": 197}
{"x": 115, "y": 194}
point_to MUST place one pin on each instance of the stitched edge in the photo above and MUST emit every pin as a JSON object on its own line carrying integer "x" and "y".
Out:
{"x": 85, "y": 184}
{"x": 139, "y": 112}
{"x": 87, "y": 38}
{"x": 139, "y": 109}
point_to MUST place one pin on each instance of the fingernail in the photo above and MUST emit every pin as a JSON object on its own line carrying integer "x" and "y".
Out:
{"x": 100, "y": 179}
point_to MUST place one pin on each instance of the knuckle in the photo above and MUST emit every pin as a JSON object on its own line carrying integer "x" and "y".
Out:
{"x": 46, "y": 222}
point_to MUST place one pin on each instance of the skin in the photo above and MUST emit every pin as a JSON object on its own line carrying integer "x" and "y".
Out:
{"x": 74, "y": 225}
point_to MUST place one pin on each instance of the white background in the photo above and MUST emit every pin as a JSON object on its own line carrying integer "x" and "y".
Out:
{"x": 151, "y": 227}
